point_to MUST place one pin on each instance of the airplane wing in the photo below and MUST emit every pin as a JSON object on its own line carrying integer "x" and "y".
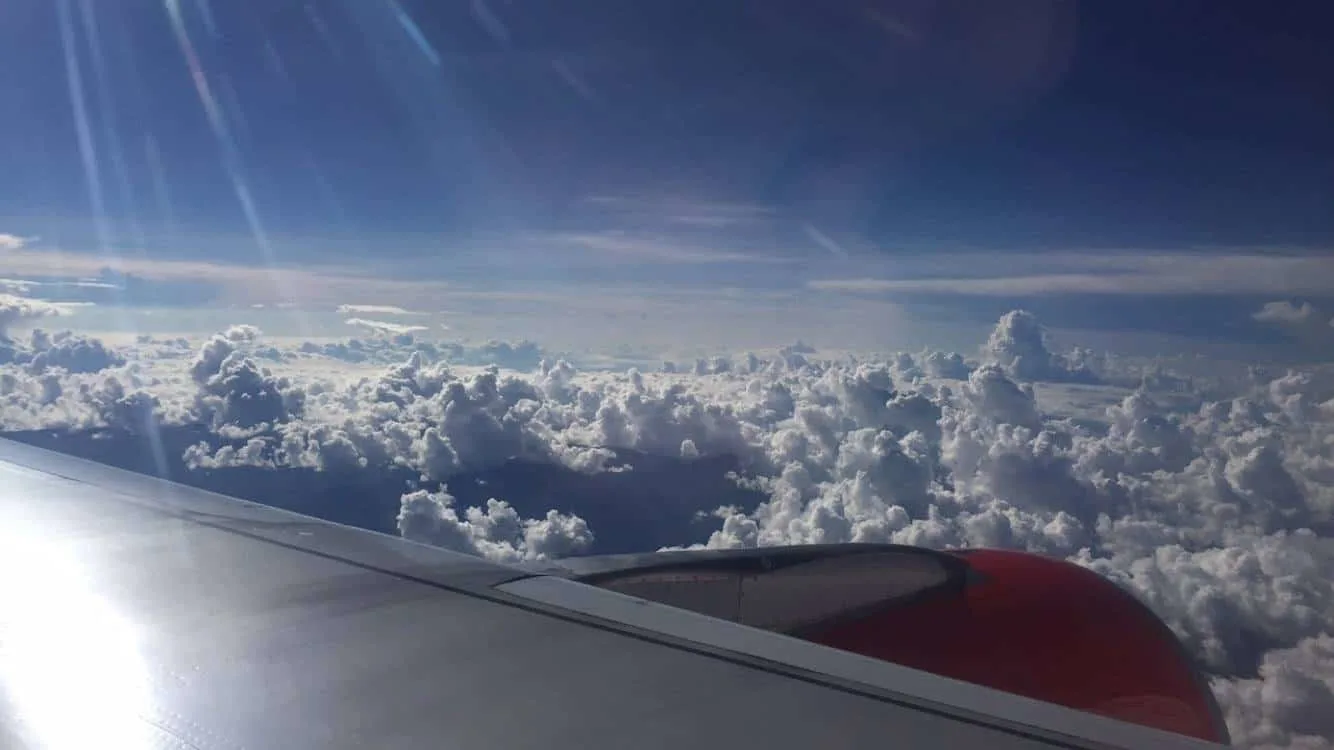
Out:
{"x": 135, "y": 612}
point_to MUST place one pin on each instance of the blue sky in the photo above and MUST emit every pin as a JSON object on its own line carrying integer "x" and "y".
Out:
{"x": 760, "y": 144}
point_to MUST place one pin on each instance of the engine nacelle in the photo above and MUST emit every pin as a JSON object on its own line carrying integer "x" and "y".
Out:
{"x": 1026, "y": 624}
{"x": 1046, "y": 629}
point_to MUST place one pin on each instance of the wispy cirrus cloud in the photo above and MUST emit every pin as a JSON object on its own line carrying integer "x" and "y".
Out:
{"x": 236, "y": 284}
{"x": 1006, "y": 274}
{"x": 384, "y": 326}
{"x": 376, "y": 310}
{"x": 660, "y": 249}
{"x": 686, "y": 212}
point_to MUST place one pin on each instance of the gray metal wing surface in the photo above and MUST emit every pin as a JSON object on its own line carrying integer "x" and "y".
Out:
{"x": 136, "y": 612}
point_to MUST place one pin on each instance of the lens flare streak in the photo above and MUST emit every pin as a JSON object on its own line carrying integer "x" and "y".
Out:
{"x": 414, "y": 31}
{"x": 231, "y": 157}
{"x": 87, "y": 148}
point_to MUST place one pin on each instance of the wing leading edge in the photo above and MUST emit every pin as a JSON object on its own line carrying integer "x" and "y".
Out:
{"x": 139, "y": 613}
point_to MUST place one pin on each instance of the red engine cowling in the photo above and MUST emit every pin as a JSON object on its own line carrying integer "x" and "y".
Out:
{"x": 1046, "y": 629}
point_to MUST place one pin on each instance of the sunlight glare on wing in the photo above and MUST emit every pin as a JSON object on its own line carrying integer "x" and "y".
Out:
{"x": 69, "y": 662}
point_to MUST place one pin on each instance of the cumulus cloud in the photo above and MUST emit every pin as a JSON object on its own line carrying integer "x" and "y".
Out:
{"x": 12, "y": 241}
{"x": 519, "y": 355}
{"x": 64, "y": 350}
{"x": 1305, "y": 324}
{"x": 241, "y": 333}
{"x": 1290, "y": 702}
{"x": 1217, "y": 515}
{"x": 395, "y": 349}
{"x": 495, "y": 532}
{"x": 1284, "y": 312}
{"x": 233, "y": 389}
{"x": 68, "y": 381}
{"x": 255, "y": 452}
{"x": 945, "y": 365}
{"x": 70, "y": 352}
{"x": 1019, "y": 345}
{"x": 14, "y": 309}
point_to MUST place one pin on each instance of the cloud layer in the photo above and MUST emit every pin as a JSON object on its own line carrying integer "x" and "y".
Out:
{"x": 1216, "y": 509}
{"x": 1113, "y": 273}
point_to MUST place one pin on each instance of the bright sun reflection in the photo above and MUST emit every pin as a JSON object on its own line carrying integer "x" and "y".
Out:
{"x": 68, "y": 661}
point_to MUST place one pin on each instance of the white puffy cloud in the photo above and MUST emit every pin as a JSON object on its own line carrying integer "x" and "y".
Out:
{"x": 1215, "y": 511}
{"x": 1305, "y": 324}
{"x": 241, "y": 334}
{"x": 355, "y": 350}
{"x": 995, "y": 397}
{"x": 1284, "y": 312}
{"x": 1019, "y": 345}
{"x": 63, "y": 350}
{"x": 945, "y": 365}
{"x": 12, "y": 241}
{"x": 70, "y": 352}
{"x": 1290, "y": 703}
{"x": 255, "y": 452}
{"x": 116, "y": 397}
{"x": 496, "y": 532}
{"x": 514, "y": 355}
{"x": 233, "y": 389}
{"x": 14, "y": 309}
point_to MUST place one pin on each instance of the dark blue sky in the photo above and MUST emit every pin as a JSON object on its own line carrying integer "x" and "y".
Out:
{"x": 900, "y": 124}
